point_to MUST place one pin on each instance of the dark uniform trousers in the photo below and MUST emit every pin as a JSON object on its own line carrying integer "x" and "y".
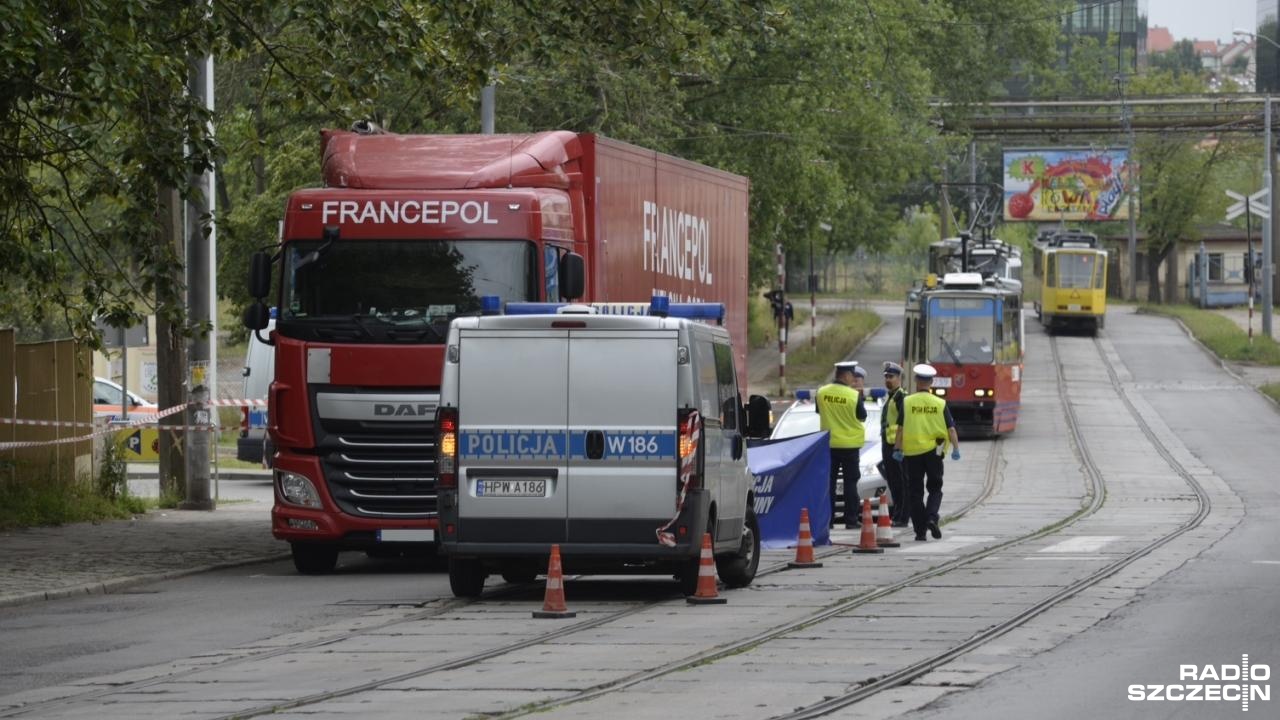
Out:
{"x": 918, "y": 468}
{"x": 845, "y": 459}
{"x": 893, "y": 475}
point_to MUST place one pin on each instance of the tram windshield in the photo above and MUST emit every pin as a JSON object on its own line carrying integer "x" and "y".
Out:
{"x": 1075, "y": 270}
{"x": 961, "y": 330}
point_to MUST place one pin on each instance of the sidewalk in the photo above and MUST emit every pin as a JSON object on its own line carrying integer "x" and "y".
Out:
{"x": 90, "y": 558}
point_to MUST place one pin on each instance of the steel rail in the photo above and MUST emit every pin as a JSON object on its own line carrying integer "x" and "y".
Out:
{"x": 919, "y": 669}
{"x": 989, "y": 485}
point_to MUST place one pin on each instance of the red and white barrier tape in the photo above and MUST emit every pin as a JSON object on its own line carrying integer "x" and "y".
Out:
{"x": 137, "y": 418}
{"x": 687, "y": 467}
{"x": 138, "y": 421}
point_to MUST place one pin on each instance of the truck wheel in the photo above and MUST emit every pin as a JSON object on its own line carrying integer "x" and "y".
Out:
{"x": 314, "y": 558}
{"x": 739, "y": 569}
{"x": 466, "y": 577}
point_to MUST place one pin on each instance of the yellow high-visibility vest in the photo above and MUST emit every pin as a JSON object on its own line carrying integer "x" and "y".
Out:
{"x": 838, "y": 415}
{"x": 924, "y": 424}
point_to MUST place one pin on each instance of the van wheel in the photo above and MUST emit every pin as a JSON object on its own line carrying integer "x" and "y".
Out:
{"x": 739, "y": 569}
{"x": 466, "y": 577}
{"x": 314, "y": 558}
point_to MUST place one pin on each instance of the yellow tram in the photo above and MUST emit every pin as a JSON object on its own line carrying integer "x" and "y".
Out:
{"x": 1072, "y": 269}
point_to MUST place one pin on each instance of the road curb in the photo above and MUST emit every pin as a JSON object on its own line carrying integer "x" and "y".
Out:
{"x": 1226, "y": 365}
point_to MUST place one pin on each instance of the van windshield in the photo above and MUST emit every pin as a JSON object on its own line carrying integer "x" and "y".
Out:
{"x": 381, "y": 291}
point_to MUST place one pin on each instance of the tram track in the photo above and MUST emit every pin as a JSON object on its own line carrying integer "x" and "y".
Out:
{"x": 926, "y": 665}
{"x": 872, "y": 687}
{"x": 902, "y": 676}
{"x": 916, "y": 670}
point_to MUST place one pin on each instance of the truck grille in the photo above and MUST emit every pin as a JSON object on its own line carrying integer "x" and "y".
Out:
{"x": 380, "y": 469}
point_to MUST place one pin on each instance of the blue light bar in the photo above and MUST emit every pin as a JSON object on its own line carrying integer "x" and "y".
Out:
{"x": 804, "y": 395}
{"x": 532, "y": 308}
{"x": 275, "y": 313}
{"x": 490, "y": 305}
{"x": 878, "y": 393}
{"x": 659, "y": 305}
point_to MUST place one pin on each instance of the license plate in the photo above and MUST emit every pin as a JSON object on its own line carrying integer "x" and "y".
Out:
{"x": 511, "y": 488}
{"x": 942, "y": 382}
{"x": 1073, "y": 308}
{"x": 406, "y": 535}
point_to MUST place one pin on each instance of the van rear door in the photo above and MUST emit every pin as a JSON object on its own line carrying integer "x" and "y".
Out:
{"x": 512, "y": 440}
{"x": 622, "y": 434}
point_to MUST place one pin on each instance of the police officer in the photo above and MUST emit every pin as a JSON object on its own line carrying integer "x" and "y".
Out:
{"x": 841, "y": 412}
{"x": 922, "y": 439}
{"x": 888, "y": 434}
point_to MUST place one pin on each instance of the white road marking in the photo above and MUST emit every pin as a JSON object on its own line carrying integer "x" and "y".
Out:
{"x": 1081, "y": 545}
{"x": 948, "y": 544}
{"x": 1266, "y": 562}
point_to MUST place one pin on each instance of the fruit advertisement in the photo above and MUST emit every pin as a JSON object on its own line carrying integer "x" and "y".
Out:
{"x": 1062, "y": 184}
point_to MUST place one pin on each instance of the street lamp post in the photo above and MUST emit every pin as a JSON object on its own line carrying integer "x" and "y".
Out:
{"x": 1269, "y": 230}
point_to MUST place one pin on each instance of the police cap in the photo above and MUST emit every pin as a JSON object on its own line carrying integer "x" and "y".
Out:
{"x": 848, "y": 366}
{"x": 860, "y": 371}
{"x": 924, "y": 371}
{"x": 892, "y": 368}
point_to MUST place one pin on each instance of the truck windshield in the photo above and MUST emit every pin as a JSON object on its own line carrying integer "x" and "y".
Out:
{"x": 961, "y": 330}
{"x": 381, "y": 291}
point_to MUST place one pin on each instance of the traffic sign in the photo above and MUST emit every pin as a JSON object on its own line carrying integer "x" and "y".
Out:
{"x": 139, "y": 444}
{"x": 1255, "y": 203}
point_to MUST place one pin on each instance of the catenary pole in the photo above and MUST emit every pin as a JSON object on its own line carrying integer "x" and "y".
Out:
{"x": 199, "y": 489}
{"x": 1271, "y": 227}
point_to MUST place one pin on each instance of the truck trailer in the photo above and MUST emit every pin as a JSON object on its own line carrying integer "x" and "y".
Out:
{"x": 410, "y": 232}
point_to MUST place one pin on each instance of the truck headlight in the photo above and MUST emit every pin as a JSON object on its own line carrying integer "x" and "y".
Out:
{"x": 298, "y": 490}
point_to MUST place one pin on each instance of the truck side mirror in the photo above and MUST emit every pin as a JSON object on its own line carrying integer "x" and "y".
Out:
{"x": 573, "y": 276}
{"x": 256, "y": 316}
{"x": 259, "y": 275}
{"x": 757, "y": 409}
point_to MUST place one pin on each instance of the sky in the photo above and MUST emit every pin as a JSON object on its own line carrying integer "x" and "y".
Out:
{"x": 1203, "y": 19}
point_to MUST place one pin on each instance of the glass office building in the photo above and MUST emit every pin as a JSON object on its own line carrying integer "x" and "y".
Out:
{"x": 1126, "y": 20}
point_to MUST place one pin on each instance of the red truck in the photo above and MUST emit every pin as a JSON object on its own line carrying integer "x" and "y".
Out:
{"x": 411, "y": 231}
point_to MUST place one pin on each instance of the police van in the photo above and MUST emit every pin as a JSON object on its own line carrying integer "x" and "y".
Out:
{"x": 620, "y": 438}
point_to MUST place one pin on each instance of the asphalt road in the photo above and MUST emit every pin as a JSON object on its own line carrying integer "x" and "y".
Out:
{"x": 1221, "y": 604}
{"x": 1204, "y": 599}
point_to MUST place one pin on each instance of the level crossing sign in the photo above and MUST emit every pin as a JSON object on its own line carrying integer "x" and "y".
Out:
{"x": 1255, "y": 203}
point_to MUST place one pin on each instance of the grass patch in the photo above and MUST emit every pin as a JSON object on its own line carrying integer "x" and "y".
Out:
{"x": 1220, "y": 334}
{"x": 32, "y": 496}
{"x": 1271, "y": 390}
{"x": 806, "y": 367}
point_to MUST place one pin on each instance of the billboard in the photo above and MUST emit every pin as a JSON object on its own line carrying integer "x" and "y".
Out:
{"x": 1043, "y": 185}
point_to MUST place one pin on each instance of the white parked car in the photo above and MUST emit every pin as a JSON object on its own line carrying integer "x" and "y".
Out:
{"x": 108, "y": 397}
{"x": 802, "y": 418}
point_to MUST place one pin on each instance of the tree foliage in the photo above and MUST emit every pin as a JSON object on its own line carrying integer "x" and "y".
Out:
{"x": 824, "y": 104}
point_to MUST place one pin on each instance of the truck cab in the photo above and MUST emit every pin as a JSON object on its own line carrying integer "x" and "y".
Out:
{"x": 619, "y": 438}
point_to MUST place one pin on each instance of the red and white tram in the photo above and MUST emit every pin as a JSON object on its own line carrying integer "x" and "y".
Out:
{"x": 969, "y": 328}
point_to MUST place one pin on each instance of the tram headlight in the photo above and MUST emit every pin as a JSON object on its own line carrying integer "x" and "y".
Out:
{"x": 942, "y": 392}
{"x": 984, "y": 393}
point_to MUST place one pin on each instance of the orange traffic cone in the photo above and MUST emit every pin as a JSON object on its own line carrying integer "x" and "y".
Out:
{"x": 867, "y": 543}
{"x": 553, "y": 604}
{"x": 804, "y": 548}
{"x": 884, "y": 526}
{"x": 706, "y": 594}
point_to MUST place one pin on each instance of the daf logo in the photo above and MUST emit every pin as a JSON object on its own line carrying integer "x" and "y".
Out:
{"x": 390, "y": 410}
